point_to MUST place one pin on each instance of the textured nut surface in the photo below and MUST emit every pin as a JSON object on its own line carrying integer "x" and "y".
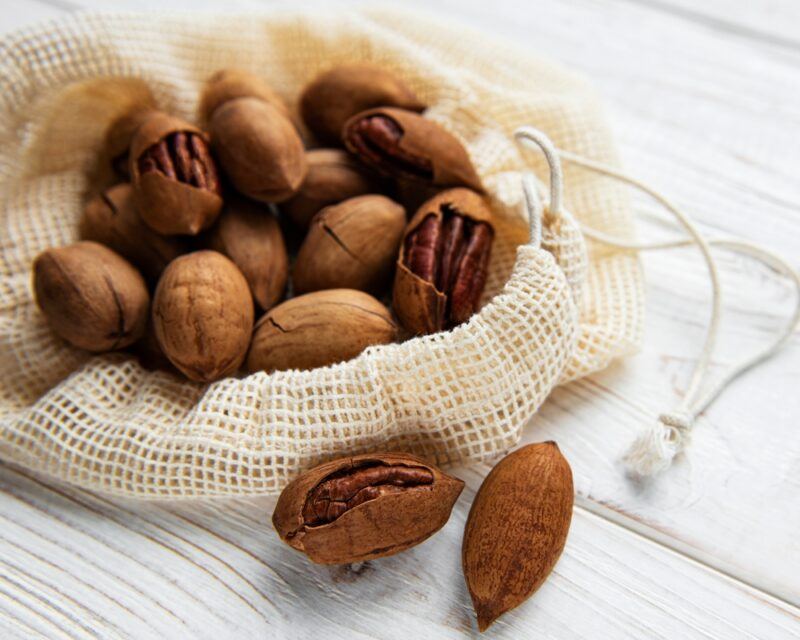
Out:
{"x": 516, "y": 529}
{"x": 318, "y": 329}
{"x": 351, "y": 245}
{"x": 443, "y": 263}
{"x": 229, "y": 84}
{"x": 203, "y": 315}
{"x": 363, "y": 507}
{"x": 259, "y": 148}
{"x": 110, "y": 218}
{"x": 333, "y": 176}
{"x": 338, "y": 94}
{"x": 91, "y": 296}
{"x": 409, "y": 147}
{"x": 175, "y": 182}
{"x": 119, "y": 135}
{"x": 251, "y": 236}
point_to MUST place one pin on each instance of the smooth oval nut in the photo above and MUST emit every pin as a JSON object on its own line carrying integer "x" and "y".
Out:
{"x": 444, "y": 261}
{"x": 333, "y": 176}
{"x": 91, "y": 296}
{"x": 259, "y": 149}
{"x": 228, "y": 84}
{"x": 111, "y": 218}
{"x": 175, "y": 181}
{"x": 410, "y": 148}
{"x": 250, "y": 236}
{"x": 343, "y": 91}
{"x": 351, "y": 245}
{"x": 319, "y": 329}
{"x": 203, "y": 315}
{"x": 363, "y": 507}
{"x": 516, "y": 529}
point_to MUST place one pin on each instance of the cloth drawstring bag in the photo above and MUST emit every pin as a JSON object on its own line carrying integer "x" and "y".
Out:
{"x": 554, "y": 309}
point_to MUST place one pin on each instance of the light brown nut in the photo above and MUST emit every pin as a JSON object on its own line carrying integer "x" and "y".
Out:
{"x": 110, "y": 218}
{"x": 319, "y": 329}
{"x": 338, "y": 94}
{"x": 250, "y": 236}
{"x": 516, "y": 529}
{"x": 410, "y": 148}
{"x": 443, "y": 262}
{"x": 175, "y": 182}
{"x": 119, "y": 136}
{"x": 229, "y": 84}
{"x": 203, "y": 315}
{"x": 91, "y": 296}
{"x": 333, "y": 176}
{"x": 351, "y": 245}
{"x": 259, "y": 149}
{"x": 364, "y": 507}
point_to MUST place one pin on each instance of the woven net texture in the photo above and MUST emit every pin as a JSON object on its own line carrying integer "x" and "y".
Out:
{"x": 552, "y": 314}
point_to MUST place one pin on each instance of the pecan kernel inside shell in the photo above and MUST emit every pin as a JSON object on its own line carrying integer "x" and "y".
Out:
{"x": 349, "y": 488}
{"x": 451, "y": 252}
{"x": 377, "y": 139}
{"x": 182, "y": 156}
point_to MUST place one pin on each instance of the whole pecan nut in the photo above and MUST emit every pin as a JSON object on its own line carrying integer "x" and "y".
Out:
{"x": 409, "y": 147}
{"x": 444, "y": 261}
{"x": 363, "y": 507}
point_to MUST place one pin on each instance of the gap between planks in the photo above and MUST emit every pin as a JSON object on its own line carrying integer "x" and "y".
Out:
{"x": 686, "y": 552}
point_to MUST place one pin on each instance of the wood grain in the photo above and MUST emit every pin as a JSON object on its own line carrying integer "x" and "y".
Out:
{"x": 704, "y": 101}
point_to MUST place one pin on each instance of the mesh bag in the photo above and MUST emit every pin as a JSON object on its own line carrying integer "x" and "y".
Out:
{"x": 551, "y": 314}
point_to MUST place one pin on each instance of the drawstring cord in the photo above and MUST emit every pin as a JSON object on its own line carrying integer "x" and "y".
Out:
{"x": 654, "y": 450}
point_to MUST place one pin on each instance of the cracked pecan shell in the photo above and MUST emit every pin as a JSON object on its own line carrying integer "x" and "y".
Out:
{"x": 443, "y": 263}
{"x": 338, "y": 94}
{"x": 351, "y": 245}
{"x": 319, "y": 329}
{"x": 175, "y": 181}
{"x": 91, "y": 296}
{"x": 410, "y": 148}
{"x": 111, "y": 218}
{"x": 203, "y": 315}
{"x": 364, "y": 507}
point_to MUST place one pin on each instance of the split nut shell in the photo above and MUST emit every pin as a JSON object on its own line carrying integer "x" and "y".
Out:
{"x": 364, "y": 507}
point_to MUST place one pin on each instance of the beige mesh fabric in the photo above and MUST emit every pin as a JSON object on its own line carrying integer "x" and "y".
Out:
{"x": 105, "y": 423}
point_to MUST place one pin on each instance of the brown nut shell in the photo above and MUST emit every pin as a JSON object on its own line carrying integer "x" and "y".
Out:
{"x": 229, "y": 84}
{"x": 338, "y": 94}
{"x": 250, "y": 236}
{"x": 409, "y": 147}
{"x": 203, "y": 315}
{"x": 110, "y": 218}
{"x": 91, "y": 296}
{"x": 319, "y": 329}
{"x": 119, "y": 136}
{"x": 333, "y": 176}
{"x": 425, "y": 298}
{"x": 351, "y": 245}
{"x": 259, "y": 148}
{"x": 180, "y": 194}
{"x": 364, "y": 507}
{"x": 516, "y": 529}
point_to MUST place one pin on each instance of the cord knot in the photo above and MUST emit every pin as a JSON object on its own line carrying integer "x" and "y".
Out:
{"x": 653, "y": 450}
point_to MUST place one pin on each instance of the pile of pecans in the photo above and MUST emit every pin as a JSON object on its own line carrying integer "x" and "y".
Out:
{"x": 209, "y": 225}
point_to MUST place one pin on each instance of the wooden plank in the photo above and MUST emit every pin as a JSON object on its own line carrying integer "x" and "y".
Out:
{"x": 80, "y": 565}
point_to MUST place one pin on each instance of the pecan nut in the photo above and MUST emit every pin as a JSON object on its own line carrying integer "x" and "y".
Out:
{"x": 409, "y": 147}
{"x": 175, "y": 181}
{"x": 444, "y": 262}
{"x": 363, "y": 507}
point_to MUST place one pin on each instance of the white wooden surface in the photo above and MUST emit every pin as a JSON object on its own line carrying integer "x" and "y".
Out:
{"x": 706, "y": 106}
